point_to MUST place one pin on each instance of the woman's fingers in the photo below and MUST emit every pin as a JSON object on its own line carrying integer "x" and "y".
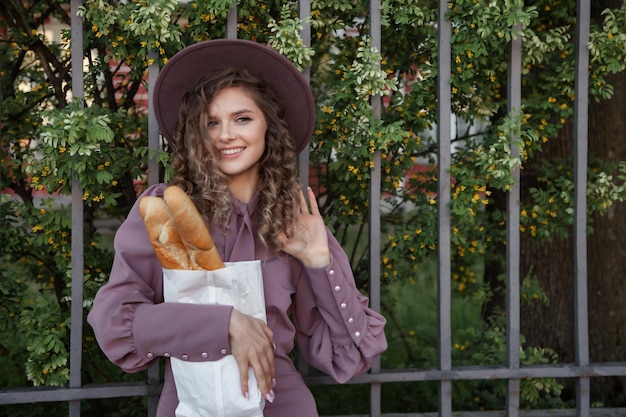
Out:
{"x": 263, "y": 367}
{"x": 252, "y": 344}
{"x": 313, "y": 201}
{"x": 243, "y": 376}
{"x": 303, "y": 205}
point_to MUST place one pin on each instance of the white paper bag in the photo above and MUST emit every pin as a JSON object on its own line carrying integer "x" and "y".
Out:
{"x": 213, "y": 389}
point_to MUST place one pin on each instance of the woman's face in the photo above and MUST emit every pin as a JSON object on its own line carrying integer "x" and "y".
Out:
{"x": 237, "y": 126}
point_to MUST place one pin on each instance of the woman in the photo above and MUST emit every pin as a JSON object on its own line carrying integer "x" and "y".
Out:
{"x": 236, "y": 114}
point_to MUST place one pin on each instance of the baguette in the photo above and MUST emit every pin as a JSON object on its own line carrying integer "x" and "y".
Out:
{"x": 192, "y": 230}
{"x": 164, "y": 238}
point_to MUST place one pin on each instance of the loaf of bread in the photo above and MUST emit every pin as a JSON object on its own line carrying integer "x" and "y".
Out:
{"x": 163, "y": 235}
{"x": 192, "y": 230}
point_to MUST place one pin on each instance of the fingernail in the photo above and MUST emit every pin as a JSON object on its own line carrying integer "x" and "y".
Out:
{"x": 270, "y": 396}
{"x": 247, "y": 395}
{"x": 273, "y": 382}
{"x": 274, "y": 346}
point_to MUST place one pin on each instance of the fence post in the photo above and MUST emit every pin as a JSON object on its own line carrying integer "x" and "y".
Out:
{"x": 514, "y": 93}
{"x": 154, "y": 377}
{"x": 374, "y": 212}
{"x": 76, "y": 326}
{"x": 444, "y": 274}
{"x": 581, "y": 139}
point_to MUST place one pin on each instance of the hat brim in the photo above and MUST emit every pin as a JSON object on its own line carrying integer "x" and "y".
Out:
{"x": 181, "y": 73}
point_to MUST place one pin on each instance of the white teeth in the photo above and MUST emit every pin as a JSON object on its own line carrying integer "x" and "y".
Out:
{"x": 231, "y": 151}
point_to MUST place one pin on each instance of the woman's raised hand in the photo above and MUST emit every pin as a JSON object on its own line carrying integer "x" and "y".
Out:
{"x": 309, "y": 242}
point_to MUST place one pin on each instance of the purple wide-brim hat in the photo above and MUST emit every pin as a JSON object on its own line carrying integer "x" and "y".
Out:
{"x": 181, "y": 73}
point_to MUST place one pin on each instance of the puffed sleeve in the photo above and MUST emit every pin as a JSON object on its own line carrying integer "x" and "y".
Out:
{"x": 336, "y": 330}
{"x": 132, "y": 324}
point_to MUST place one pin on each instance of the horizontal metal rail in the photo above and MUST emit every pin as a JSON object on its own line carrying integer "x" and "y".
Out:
{"x": 135, "y": 389}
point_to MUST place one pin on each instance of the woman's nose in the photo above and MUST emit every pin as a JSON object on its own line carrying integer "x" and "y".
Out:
{"x": 226, "y": 133}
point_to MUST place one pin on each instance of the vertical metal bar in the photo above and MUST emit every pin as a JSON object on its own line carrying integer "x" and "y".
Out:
{"x": 444, "y": 135}
{"x": 153, "y": 126}
{"x": 76, "y": 327}
{"x": 231, "y": 22}
{"x": 581, "y": 119}
{"x": 514, "y": 85}
{"x": 154, "y": 376}
{"x": 304, "y": 12}
{"x": 374, "y": 203}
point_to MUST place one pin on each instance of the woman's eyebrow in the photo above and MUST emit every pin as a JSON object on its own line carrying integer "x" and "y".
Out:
{"x": 241, "y": 111}
{"x": 235, "y": 113}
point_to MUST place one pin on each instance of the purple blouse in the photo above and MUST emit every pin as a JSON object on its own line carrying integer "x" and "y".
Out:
{"x": 336, "y": 331}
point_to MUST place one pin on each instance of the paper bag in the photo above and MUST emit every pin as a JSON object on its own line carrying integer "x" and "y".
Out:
{"x": 212, "y": 388}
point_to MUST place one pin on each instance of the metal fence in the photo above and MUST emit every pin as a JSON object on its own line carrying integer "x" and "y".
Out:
{"x": 444, "y": 374}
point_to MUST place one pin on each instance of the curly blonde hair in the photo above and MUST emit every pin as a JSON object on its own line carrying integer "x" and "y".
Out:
{"x": 196, "y": 167}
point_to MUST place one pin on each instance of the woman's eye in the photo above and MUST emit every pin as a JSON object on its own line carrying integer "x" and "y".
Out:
{"x": 212, "y": 123}
{"x": 243, "y": 119}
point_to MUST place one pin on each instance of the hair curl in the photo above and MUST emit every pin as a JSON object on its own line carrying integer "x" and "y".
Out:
{"x": 196, "y": 168}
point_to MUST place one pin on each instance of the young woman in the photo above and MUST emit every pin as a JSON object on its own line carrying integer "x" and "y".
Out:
{"x": 236, "y": 114}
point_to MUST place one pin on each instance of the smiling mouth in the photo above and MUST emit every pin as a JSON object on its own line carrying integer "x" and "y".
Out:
{"x": 232, "y": 151}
